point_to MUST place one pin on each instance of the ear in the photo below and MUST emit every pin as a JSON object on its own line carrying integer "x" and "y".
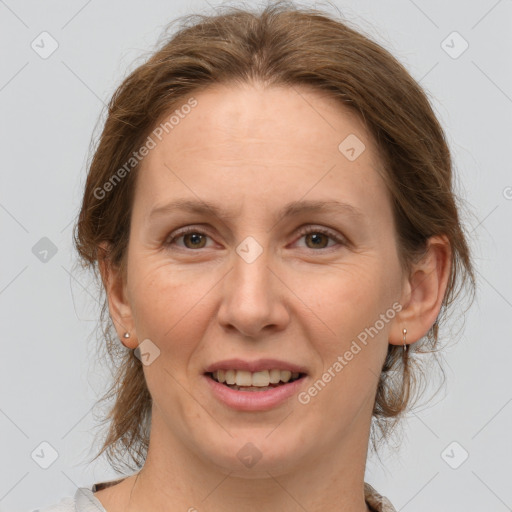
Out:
{"x": 114, "y": 282}
{"x": 423, "y": 292}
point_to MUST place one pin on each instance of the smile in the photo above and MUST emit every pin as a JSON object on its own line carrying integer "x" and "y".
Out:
{"x": 254, "y": 398}
{"x": 243, "y": 380}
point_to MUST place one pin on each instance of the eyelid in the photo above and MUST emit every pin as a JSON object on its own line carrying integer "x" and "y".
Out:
{"x": 301, "y": 231}
{"x": 310, "y": 228}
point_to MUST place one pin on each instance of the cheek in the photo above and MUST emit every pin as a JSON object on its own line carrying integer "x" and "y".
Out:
{"x": 352, "y": 345}
{"x": 354, "y": 304}
{"x": 348, "y": 298}
{"x": 167, "y": 306}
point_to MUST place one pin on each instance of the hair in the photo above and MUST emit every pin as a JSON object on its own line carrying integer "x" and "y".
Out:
{"x": 283, "y": 45}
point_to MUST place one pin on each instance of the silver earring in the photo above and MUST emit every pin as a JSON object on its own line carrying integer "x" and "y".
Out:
{"x": 405, "y": 346}
{"x": 126, "y": 335}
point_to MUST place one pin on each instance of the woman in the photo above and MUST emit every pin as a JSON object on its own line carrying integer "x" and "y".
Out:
{"x": 270, "y": 209}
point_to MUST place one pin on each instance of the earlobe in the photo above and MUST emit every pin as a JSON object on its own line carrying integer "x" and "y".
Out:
{"x": 118, "y": 305}
{"x": 425, "y": 291}
{"x": 126, "y": 342}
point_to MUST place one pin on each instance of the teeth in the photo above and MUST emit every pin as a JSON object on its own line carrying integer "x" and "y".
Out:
{"x": 260, "y": 379}
{"x": 243, "y": 378}
{"x": 230, "y": 376}
{"x": 286, "y": 375}
{"x": 275, "y": 376}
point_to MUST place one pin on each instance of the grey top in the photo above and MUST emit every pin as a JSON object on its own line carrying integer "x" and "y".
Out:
{"x": 85, "y": 501}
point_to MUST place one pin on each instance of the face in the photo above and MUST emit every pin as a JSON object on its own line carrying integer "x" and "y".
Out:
{"x": 272, "y": 275}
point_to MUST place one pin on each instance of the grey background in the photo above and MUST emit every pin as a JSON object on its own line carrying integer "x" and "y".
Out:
{"x": 49, "y": 375}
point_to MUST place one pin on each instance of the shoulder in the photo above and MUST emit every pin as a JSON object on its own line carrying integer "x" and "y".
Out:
{"x": 376, "y": 501}
{"x": 83, "y": 501}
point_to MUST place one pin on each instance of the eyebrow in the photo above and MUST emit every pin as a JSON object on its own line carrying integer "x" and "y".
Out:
{"x": 289, "y": 210}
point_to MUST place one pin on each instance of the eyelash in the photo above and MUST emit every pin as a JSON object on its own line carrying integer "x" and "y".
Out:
{"x": 305, "y": 231}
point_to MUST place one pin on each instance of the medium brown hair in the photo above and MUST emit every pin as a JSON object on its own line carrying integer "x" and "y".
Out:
{"x": 291, "y": 46}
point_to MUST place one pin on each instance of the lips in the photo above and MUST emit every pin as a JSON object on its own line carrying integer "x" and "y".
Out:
{"x": 263, "y": 377}
{"x": 254, "y": 398}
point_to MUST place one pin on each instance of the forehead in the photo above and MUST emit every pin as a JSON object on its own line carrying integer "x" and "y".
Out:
{"x": 251, "y": 143}
{"x": 241, "y": 116}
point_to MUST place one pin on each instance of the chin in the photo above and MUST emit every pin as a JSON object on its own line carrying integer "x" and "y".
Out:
{"x": 254, "y": 453}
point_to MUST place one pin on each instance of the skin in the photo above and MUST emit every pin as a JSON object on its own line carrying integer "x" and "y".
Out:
{"x": 253, "y": 149}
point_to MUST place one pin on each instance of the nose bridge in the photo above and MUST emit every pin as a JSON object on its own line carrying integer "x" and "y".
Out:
{"x": 251, "y": 300}
{"x": 250, "y": 272}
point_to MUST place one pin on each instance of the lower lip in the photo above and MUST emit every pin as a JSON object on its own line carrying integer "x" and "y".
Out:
{"x": 254, "y": 400}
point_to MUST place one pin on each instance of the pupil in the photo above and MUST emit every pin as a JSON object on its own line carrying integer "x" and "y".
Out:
{"x": 317, "y": 238}
{"x": 194, "y": 238}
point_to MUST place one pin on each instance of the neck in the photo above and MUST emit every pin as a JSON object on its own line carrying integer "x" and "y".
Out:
{"x": 176, "y": 478}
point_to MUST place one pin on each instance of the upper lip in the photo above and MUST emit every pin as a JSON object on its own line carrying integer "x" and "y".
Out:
{"x": 255, "y": 366}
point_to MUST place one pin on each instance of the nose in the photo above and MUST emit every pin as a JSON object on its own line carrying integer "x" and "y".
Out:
{"x": 253, "y": 298}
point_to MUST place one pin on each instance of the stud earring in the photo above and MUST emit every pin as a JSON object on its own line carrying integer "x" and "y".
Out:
{"x": 126, "y": 335}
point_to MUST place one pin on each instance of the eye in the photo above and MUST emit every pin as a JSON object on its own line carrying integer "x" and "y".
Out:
{"x": 193, "y": 238}
{"x": 318, "y": 237}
